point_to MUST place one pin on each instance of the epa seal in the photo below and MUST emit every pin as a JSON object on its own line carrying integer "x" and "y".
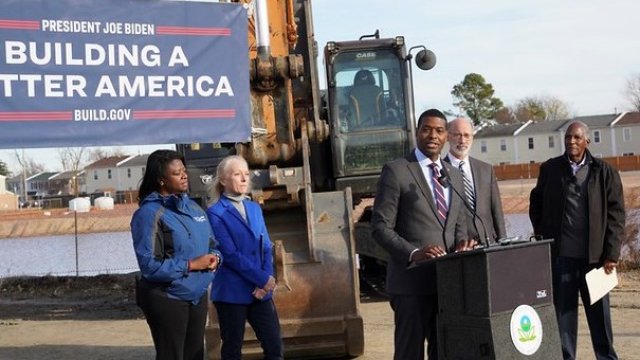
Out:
{"x": 526, "y": 329}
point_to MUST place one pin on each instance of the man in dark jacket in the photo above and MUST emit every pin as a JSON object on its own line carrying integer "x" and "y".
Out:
{"x": 578, "y": 202}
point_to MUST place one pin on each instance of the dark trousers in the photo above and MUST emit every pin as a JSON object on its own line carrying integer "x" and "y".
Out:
{"x": 262, "y": 317}
{"x": 177, "y": 326}
{"x": 568, "y": 280}
{"x": 415, "y": 321}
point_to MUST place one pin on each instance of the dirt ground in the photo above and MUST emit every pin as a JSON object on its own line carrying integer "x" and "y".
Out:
{"x": 96, "y": 317}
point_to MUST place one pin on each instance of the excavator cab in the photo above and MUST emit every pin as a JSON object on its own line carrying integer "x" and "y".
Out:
{"x": 371, "y": 114}
{"x": 369, "y": 106}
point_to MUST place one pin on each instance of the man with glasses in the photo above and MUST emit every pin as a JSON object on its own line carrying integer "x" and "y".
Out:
{"x": 578, "y": 202}
{"x": 480, "y": 184}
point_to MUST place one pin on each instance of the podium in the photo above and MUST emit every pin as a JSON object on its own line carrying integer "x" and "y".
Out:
{"x": 497, "y": 303}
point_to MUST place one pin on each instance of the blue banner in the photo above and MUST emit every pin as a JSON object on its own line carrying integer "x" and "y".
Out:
{"x": 122, "y": 72}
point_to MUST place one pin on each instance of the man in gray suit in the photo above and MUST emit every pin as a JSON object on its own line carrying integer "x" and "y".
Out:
{"x": 415, "y": 219}
{"x": 481, "y": 186}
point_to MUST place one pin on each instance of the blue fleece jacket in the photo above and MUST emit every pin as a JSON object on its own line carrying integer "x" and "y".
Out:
{"x": 167, "y": 231}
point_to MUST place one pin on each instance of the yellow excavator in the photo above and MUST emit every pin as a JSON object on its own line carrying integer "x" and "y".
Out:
{"x": 314, "y": 154}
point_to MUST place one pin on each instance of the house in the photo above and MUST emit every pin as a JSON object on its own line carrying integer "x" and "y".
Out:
{"x": 102, "y": 175}
{"x": 67, "y": 183}
{"x": 625, "y": 129}
{"x": 8, "y": 200}
{"x": 602, "y": 142}
{"x": 131, "y": 171}
{"x": 496, "y": 144}
{"x": 38, "y": 184}
{"x": 14, "y": 184}
{"x": 611, "y": 135}
{"x": 538, "y": 140}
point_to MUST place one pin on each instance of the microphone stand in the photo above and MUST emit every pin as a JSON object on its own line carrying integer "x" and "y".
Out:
{"x": 444, "y": 181}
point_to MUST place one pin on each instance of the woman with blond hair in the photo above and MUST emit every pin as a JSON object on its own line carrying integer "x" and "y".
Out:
{"x": 243, "y": 288}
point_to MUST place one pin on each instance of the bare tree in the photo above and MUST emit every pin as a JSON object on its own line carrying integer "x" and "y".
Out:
{"x": 530, "y": 108}
{"x": 102, "y": 153}
{"x": 541, "y": 108}
{"x": 632, "y": 92}
{"x": 97, "y": 154}
{"x": 117, "y": 151}
{"x": 28, "y": 167}
{"x": 555, "y": 108}
{"x": 72, "y": 159}
{"x": 505, "y": 116}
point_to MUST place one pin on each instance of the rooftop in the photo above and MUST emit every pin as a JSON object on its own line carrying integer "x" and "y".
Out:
{"x": 107, "y": 162}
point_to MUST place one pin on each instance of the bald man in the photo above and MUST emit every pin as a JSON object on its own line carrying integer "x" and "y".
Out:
{"x": 481, "y": 186}
{"x": 578, "y": 202}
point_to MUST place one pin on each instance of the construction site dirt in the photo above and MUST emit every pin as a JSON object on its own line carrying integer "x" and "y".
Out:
{"x": 96, "y": 317}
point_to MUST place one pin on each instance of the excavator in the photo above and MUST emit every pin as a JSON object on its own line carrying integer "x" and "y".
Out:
{"x": 314, "y": 155}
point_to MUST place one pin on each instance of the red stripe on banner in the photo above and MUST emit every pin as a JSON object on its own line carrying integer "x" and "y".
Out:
{"x": 19, "y": 24}
{"x": 183, "y": 114}
{"x": 197, "y": 31}
{"x": 35, "y": 115}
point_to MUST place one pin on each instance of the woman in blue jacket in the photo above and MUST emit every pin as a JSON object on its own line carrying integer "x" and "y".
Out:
{"x": 175, "y": 249}
{"x": 243, "y": 288}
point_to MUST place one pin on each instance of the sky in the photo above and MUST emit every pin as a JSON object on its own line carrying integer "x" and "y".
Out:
{"x": 582, "y": 52}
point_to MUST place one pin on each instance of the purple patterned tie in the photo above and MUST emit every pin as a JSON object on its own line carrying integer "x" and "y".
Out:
{"x": 441, "y": 204}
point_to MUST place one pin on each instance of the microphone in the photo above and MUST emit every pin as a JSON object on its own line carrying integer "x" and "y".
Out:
{"x": 444, "y": 181}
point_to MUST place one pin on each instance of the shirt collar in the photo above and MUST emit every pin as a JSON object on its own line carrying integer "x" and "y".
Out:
{"x": 582, "y": 162}
{"x": 456, "y": 162}
{"x": 236, "y": 198}
{"x": 425, "y": 161}
{"x": 576, "y": 166}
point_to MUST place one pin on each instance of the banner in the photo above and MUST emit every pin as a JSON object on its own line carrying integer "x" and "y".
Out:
{"x": 122, "y": 72}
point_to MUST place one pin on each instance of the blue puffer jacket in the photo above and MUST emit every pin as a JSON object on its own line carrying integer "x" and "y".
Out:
{"x": 167, "y": 231}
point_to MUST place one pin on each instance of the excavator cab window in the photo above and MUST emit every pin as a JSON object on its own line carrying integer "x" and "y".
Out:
{"x": 366, "y": 101}
{"x": 369, "y": 118}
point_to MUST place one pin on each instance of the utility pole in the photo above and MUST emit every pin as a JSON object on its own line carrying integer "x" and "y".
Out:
{"x": 23, "y": 176}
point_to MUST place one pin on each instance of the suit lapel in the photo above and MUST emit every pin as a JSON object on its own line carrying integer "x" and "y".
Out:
{"x": 479, "y": 186}
{"x": 419, "y": 177}
{"x": 453, "y": 199}
{"x": 230, "y": 208}
{"x": 446, "y": 158}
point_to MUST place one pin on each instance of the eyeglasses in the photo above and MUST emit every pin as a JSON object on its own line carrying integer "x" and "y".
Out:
{"x": 459, "y": 135}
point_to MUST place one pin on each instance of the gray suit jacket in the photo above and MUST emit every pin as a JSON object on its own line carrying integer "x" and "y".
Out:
{"x": 488, "y": 202}
{"x": 404, "y": 219}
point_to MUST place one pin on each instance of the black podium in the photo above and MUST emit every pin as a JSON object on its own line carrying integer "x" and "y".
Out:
{"x": 497, "y": 303}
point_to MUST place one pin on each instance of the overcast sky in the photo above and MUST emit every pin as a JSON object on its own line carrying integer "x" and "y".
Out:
{"x": 581, "y": 52}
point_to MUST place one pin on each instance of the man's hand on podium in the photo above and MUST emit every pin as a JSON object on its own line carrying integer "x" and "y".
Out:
{"x": 427, "y": 252}
{"x": 467, "y": 245}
